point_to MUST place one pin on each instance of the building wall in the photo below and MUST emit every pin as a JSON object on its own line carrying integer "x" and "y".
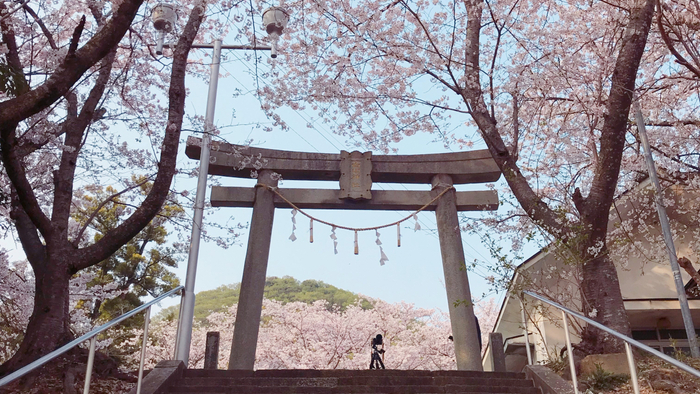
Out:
{"x": 643, "y": 268}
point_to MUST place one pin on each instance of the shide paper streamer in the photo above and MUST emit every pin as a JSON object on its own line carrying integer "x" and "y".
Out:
{"x": 294, "y": 225}
{"x": 382, "y": 256}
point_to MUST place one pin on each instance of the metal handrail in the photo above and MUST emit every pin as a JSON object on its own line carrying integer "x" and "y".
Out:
{"x": 628, "y": 341}
{"x": 92, "y": 335}
{"x": 506, "y": 341}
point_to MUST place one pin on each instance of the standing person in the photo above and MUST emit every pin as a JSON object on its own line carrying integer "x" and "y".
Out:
{"x": 376, "y": 360}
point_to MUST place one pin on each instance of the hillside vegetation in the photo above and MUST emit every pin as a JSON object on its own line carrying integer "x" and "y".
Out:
{"x": 285, "y": 289}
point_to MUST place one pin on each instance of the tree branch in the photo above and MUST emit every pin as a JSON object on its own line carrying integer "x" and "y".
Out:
{"x": 71, "y": 70}
{"x": 76, "y": 37}
{"x": 12, "y": 56}
{"x": 99, "y": 207}
{"x": 27, "y": 232}
{"x": 58, "y": 84}
{"x": 42, "y": 26}
{"x": 153, "y": 203}
{"x": 77, "y": 125}
{"x": 516, "y": 127}
{"x": 612, "y": 139}
{"x": 669, "y": 43}
{"x": 472, "y": 94}
{"x": 15, "y": 172}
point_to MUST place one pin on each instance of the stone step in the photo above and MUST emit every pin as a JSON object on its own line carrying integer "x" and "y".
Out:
{"x": 350, "y": 382}
{"x": 394, "y": 389}
{"x": 311, "y": 373}
{"x": 353, "y": 380}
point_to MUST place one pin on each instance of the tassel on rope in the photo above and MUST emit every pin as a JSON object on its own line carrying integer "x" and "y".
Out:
{"x": 294, "y": 225}
{"x": 335, "y": 240}
{"x": 311, "y": 231}
{"x": 382, "y": 257}
{"x": 357, "y": 246}
{"x": 398, "y": 235}
{"x": 417, "y": 225}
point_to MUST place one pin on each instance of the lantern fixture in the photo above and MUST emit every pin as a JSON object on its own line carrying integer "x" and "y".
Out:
{"x": 164, "y": 17}
{"x": 275, "y": 19}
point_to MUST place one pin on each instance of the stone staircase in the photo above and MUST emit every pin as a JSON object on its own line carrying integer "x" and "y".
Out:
{"x": 349, "y": 381}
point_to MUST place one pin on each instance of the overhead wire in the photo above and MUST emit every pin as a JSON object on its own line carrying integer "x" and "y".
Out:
{"x": 312, "y": 121}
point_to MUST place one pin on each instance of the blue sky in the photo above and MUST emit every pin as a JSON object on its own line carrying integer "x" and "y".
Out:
{"x": 414, "y": 271}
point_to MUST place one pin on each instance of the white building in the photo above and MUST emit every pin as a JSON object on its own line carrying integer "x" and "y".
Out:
{"x": 646, "y": 281}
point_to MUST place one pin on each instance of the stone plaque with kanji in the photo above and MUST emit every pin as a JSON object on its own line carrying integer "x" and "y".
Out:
{"x": 355, "y": 175}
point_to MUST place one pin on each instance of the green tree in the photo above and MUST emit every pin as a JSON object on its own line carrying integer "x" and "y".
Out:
{"x": 141, "y": 267}
{"x": 285, "y": 289}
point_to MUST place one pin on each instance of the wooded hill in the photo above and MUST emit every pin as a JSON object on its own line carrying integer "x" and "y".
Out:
{"x": 285, "y": 289}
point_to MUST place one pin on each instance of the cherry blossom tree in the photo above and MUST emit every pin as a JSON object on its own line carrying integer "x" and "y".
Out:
{"x": 15, "y": 286}
{"x": 16, "y": 301}
{"x": 311, "y": 336}
{"x": 299, "y": 335}
{"x": 547, "y": 84}
{"x": 679, "y": 24}
{"x": 72, "y": 77}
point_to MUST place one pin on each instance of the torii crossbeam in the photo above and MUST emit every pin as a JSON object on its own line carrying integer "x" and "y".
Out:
{"x": 356, "y": 172}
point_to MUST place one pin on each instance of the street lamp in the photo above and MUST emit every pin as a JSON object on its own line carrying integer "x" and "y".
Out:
{"x": 275, "y": 20}
{"x": 164, "y": 18}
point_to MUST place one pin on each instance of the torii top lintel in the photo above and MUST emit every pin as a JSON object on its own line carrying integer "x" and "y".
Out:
{"x": 463, "y": 167}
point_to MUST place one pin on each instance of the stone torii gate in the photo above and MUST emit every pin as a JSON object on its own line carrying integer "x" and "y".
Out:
{"x": 356, "y": 171}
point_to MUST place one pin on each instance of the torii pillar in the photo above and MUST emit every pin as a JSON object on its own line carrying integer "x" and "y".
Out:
{"x": 250, "y": 300}
{"x": 459, "y": 297}
{"x": 353, "y": 170}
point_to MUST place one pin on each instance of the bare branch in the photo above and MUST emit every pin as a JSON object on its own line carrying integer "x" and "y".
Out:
{"x": 150, "y": 207}
{"x": 42, "y": 26}
{"x": 669, "y": 43}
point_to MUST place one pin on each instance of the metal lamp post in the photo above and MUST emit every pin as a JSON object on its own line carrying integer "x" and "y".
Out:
{"x": 666, "y": 231}
{"x": 275, "y": 19}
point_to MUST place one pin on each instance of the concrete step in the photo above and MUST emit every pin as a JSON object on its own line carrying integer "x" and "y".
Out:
{"x": 354, "y": 381}
{"x": 395, "y": 389}
{"x": 312, "y": 373}
{"x": 351, "y": 382}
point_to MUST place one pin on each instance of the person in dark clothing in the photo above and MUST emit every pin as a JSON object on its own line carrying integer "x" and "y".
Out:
{"x": 376, "y": 359}
{"x": 478, "y": 333}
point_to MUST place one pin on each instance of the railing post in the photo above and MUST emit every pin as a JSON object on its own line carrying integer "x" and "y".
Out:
{"x": 90, "y": 336}
{"x": 633, "y": 368}
{"x": 90, "y": 363}
{"x": 570, "y": 353}
{"x": 147, "y": 319}
{"x": 631, "y": 341}
{"x": 179, "y": 326}
{"x": 526, "y": 334}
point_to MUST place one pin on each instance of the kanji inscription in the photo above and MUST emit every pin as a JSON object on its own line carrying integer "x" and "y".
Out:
{"x": 355, "y": 175}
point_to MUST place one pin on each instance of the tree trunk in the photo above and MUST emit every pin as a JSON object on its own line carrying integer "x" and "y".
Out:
{"x": 48, "y": 326}
{"x": 45, "y": 240}
{"x": 602, "y": 301}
